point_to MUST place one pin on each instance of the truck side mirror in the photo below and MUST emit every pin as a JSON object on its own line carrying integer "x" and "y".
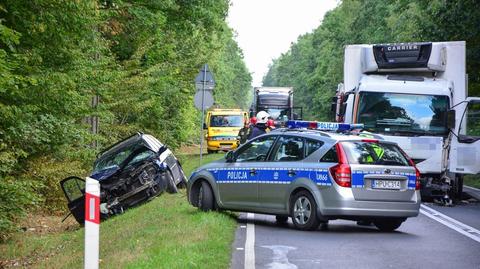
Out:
{"x": 204, "y": 126}
{"x": 230, "y": 157}
{"x": 451, "y": 119}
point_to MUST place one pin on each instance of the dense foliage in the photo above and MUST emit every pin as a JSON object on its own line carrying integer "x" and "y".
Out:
{"x": 139, "y": 56}
{"x": 314, "y": 64}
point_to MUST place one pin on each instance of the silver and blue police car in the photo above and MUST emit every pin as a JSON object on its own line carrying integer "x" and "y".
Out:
{"x": 312, "y": 176}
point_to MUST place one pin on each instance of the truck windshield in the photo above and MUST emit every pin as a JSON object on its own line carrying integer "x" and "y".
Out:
{"x": 403, "y": 114}
{"x": 226, "y": 121}
{"x": 277, "y": 113}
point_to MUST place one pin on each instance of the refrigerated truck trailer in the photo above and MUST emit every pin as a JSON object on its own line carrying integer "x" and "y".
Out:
{"x": 415, "y": 94}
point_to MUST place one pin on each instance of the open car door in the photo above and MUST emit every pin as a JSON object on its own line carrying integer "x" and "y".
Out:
{"x": 74, "y": 190}
{"x": 465, "y": 147}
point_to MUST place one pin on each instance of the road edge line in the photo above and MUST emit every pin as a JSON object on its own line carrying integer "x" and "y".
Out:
{"x": 471, "y": 188}
{"x": 463, "y": 229}
{"x": 250, "y": 242}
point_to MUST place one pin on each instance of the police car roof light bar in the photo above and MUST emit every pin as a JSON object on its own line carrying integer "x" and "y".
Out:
{"x": 324, "y": 126}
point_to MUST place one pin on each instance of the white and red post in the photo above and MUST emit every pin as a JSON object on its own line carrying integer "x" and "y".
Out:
{"x": 92, "y": 223}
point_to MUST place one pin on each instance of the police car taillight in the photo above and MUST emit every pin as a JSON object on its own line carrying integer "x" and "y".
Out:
{"x": 417, "y": 180}
{"x": 324, "y": 126}
{"x": 418, "y": 185}
{"x": 341, "y": 173}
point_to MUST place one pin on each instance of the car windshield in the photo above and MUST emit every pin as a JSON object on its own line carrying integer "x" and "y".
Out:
{"x": 374, "y": 153}
{"x": 226, "y": 121}
{"x": 408, "y": 114}
{"x": 112, "y": 159}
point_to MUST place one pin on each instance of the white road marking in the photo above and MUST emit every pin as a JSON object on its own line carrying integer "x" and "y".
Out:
{"x": 243, "y": 226}
{"x": 250, "y": 242}
{"x": 240, "y": 248}
{"x": 451, "y": 223}
{"x": 471, "y": 188}
{"x": 280, "y": 259}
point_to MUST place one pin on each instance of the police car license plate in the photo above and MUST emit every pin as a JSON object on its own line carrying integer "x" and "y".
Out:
{"x": 386, "y": 184}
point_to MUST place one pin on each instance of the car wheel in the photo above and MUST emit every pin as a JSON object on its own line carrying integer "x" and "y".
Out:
{"x": 183, "y": 178}
{"x": 304, "y": 211}
{"x": 182, "y": 184}
{"x": 205, "y": 197}
{"x": 388, "y": 225}
{"x": 171, "y": 186}
{"x": 281, "y": 219}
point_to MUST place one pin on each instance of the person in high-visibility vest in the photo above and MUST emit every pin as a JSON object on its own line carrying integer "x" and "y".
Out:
{"x": 377, "y": 149}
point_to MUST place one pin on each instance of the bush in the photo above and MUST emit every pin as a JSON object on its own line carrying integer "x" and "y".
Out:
{"x": 15, "y": 197}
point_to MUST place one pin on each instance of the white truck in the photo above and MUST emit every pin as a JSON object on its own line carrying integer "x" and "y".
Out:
{"x": 415, "y": 94}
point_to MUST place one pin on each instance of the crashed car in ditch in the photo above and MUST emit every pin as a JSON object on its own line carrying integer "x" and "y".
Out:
{"x": 130, "y": 172}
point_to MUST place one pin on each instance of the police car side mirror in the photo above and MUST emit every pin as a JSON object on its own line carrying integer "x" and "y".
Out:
{"x": 451, "y": 119}
{"x": 230, "y": 157}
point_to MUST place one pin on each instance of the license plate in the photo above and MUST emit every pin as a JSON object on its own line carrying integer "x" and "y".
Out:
{"x": 386, "y": 184}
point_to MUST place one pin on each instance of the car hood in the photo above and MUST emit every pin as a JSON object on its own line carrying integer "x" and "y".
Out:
{"x": 104, "y": 174}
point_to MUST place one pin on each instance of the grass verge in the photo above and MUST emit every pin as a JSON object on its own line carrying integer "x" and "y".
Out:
{"x": 164, "y": 233}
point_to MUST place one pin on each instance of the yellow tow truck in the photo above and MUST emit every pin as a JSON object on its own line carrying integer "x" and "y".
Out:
{"x": 222, "y": 127}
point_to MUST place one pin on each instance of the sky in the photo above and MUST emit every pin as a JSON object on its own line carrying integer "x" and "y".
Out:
{"x": 266, "y": 28}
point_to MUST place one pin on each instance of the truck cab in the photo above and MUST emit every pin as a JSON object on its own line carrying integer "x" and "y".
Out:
{"x": 415, "y": 94}
{"x": 277, "y": 102}
{"x": 222, "y": 127}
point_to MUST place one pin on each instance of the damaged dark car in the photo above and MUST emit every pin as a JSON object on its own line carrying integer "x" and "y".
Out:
{"x": 130, "y": 172}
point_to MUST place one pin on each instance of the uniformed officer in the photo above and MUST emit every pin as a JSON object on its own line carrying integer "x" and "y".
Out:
{"x": 244, "y": 133}
{"x": 261, "y": 125}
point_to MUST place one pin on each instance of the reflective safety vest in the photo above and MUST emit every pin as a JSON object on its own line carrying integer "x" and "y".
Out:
{"x": 379, "y": 151}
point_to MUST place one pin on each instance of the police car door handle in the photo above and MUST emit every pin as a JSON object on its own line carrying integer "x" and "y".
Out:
{"x": 291, "y": 173}
{"x": 253, "y": 172}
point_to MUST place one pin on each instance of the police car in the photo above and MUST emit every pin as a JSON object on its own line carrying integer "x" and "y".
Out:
{"x": 313, "y": 176}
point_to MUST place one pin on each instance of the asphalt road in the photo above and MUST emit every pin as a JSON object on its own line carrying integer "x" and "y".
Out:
{"x": 420, "y": 242}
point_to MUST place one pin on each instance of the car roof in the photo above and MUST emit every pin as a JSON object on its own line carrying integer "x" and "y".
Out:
{"x": 332, "y": 136}
{"x": 148, "y": 140}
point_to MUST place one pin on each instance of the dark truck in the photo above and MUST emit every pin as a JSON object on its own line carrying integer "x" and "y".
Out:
{"x": 277, "y": 101}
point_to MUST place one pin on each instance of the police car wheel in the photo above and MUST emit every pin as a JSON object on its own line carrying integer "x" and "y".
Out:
{"x": 304, "y": 211}
{"x": 281, "y": 219}
{"x": 388, "y": 225}
{"x": 205, "y": 197}
{"x": 171, "y": 186}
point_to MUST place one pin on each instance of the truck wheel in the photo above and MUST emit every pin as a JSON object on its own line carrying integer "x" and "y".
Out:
{"x": 304, "y": 211}
{"x": 171, "y": 186}
{"x": 388, "y": 225}
{"x": 456, "y": 191}
{"x": 209, "y": 151}
{"x": 205, "y": 197}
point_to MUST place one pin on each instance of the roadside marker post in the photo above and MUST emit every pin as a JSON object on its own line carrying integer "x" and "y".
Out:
{"x": 92, "y": 223}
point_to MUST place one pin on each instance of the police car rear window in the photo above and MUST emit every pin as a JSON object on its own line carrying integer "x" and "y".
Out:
{"x": 374, "y": 153}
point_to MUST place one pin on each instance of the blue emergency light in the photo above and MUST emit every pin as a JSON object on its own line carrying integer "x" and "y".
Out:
{"x": 324, "y": 126}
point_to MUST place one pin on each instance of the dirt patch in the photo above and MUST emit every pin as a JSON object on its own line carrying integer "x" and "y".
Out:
{"x": 191, "y": 149}
{"x": 47, "y": 224}
{"x": 41, "y": 224}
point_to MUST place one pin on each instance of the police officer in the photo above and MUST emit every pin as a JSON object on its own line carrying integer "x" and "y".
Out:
{"x": 261, "y": 125}
{"x": 244, "y": 133}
